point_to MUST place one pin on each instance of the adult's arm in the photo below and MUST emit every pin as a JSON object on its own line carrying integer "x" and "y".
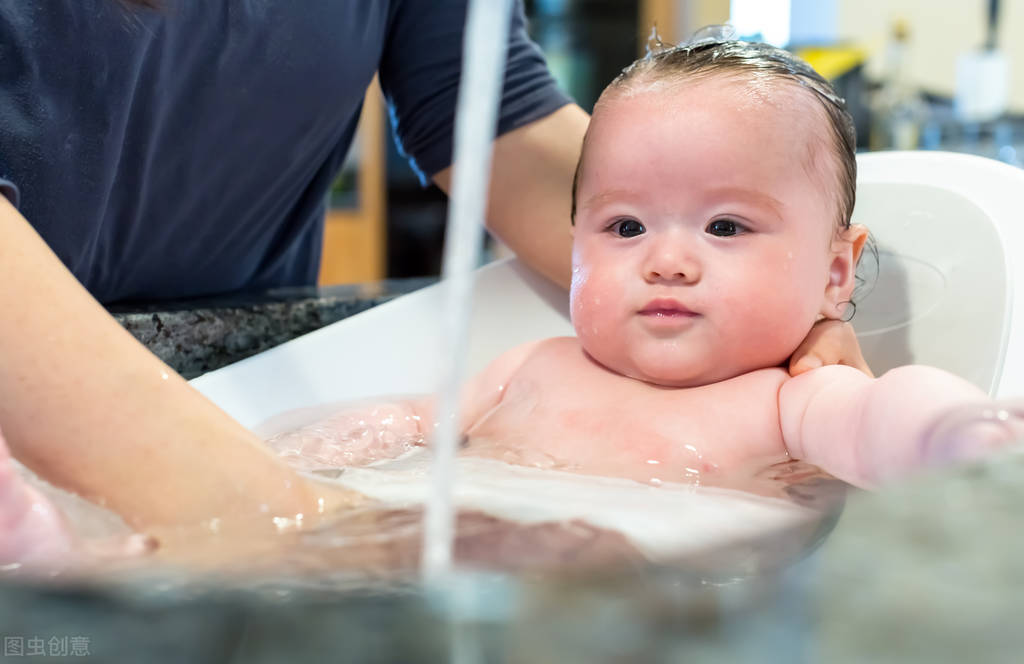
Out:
{"x": 88, "y": 408}
{"x": 531, "y": 188}
{"x": 868, "y": 430}
{"x": 540, "y": 130}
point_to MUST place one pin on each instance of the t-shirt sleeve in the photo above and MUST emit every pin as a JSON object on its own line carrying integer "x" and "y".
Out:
{"x": 9, "y": 191}
{"x": 420, "y": 70}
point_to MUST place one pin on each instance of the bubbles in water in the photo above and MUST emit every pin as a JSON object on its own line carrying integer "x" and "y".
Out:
{"x": 350, "y": 439}
{"x": 533, "y": 458}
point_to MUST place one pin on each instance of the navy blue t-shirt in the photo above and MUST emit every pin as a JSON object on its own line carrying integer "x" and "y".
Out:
{"x": 188, "y": 151}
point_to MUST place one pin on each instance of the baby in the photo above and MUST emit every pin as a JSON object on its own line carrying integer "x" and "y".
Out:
{"x": 711, "y": 213}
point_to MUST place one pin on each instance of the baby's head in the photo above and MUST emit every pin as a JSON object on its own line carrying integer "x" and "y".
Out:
{"x": 711, "y": 213}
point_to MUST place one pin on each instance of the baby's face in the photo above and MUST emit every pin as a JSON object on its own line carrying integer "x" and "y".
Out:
{"x": 703, "y": 234}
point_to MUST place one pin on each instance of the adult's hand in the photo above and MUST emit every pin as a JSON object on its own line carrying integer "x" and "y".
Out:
{"x": 828, "y": 342}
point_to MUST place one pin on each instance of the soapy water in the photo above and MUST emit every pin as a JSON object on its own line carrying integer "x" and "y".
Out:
{"x": 350, "y": 437}
{"x": 520, "y": 507}
{"x": 364, "y": 434}
{"x": 516, "y": 508}
{"x": 535, "y": 515}
{"x": 532, "y": 518}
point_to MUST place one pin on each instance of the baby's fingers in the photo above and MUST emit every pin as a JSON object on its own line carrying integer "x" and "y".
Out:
{"x": 974, "y": 431}
{"x": 828, "y": 342}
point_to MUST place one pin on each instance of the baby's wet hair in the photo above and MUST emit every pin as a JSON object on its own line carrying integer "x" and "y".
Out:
{"x": 713, "y": 55}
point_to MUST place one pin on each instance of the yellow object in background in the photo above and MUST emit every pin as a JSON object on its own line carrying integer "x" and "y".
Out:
{"x": 833, "y": 62}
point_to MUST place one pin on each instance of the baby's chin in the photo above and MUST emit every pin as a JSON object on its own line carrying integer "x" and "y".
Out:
{"x": 675, "y": 379}
{"x": 674, "y": 376}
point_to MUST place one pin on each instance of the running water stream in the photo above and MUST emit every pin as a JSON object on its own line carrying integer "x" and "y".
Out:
{"x": 483, "y": 57}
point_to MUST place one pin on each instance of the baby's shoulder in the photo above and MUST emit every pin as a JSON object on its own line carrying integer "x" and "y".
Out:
{"x": 549, "y": 349}
{"x": 514, "y": 359}
{"x": 757, "y": 392}
{"x": 771, "y": 379}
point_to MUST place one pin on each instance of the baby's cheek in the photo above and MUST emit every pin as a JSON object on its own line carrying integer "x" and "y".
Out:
{"x": 780, "y": 327}
{"x": 596, "y": 307}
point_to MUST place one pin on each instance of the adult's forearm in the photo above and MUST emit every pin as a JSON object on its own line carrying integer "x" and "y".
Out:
{"x": 87, "y": 407}
{"x": 530, "y": 191}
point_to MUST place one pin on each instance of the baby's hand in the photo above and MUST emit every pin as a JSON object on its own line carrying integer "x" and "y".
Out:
{"x": 352, "y": 437}
{"x": 828, "y": 342}
{"x": 974, "y": 431}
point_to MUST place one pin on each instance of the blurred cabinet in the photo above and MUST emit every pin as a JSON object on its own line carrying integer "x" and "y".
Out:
{"x": 354, "y": 245}
{"x": 588, "y": 42}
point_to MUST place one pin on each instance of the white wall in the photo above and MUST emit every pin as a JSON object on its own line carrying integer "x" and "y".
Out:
{"x": 939, "y": 31}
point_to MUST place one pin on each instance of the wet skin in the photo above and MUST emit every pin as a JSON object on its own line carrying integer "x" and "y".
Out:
{"x": 583, "y": 417}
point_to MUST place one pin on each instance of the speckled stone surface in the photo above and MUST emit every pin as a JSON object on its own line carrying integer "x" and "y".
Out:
{"x": 203, "y": 335}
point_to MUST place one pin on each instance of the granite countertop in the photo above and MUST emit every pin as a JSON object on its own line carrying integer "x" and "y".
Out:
{"x": 196, "y": 336}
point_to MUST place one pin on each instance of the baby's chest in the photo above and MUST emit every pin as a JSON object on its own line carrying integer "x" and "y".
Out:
{"x": 579, "y": 413}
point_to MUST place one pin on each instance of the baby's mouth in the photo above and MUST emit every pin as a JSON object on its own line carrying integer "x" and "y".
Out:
{"x": 667, "y": 308}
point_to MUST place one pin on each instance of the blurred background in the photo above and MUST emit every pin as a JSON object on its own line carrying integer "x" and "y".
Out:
{"x": 916, "y": 74}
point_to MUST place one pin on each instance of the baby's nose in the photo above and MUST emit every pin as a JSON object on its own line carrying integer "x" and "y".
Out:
{"x": 671, "y": 264}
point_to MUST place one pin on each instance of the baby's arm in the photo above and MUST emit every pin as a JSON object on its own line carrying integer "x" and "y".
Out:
{"x": 865, "y": 430}
{"x": 358, "y": 433}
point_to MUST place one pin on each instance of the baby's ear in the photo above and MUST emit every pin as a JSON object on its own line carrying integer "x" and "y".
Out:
{"x": 845, "y": 252}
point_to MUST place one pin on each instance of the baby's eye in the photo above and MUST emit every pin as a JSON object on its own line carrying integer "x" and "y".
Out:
{"x": 724, "y": 228}
{"x": 628, "y": 228}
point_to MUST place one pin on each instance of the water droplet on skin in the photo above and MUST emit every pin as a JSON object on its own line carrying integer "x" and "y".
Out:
{"x": 653, "y": 462}
{"x": 164, "y": 375}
